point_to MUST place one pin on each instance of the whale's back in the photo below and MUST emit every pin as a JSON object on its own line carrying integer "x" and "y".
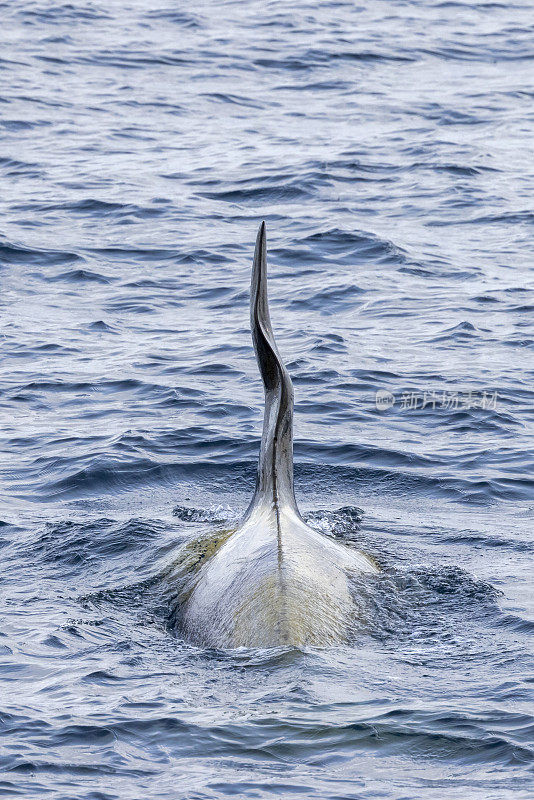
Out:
{"x": 274, "y": 582}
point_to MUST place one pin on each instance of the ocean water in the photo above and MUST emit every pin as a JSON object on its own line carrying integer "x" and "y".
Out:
{"x": 388, "y": 146}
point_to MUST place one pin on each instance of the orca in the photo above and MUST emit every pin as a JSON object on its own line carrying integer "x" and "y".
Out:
{"x": 273, "y": 581}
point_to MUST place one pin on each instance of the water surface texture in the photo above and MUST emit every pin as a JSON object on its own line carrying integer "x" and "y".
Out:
{"x": 388, "y": 146}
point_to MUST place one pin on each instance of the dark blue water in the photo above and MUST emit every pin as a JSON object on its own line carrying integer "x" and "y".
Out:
{"x": 388, "y": 145}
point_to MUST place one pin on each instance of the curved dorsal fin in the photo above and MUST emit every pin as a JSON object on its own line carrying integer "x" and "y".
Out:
{"x": 275, "y": 468}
